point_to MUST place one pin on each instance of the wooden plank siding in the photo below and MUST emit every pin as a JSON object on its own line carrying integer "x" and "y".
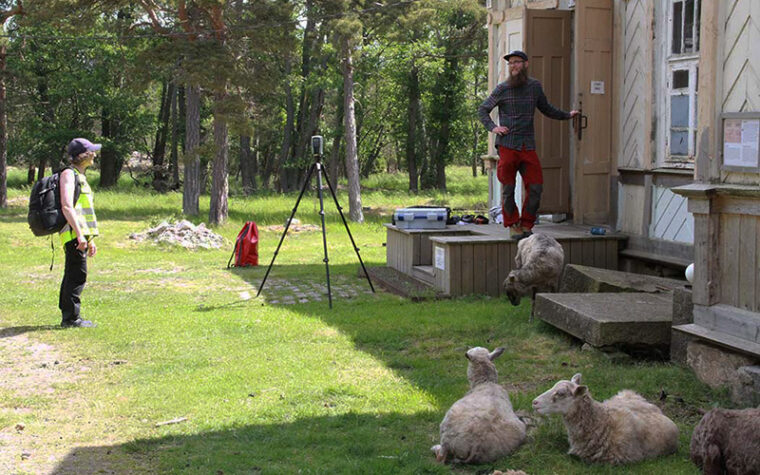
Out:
{"x": 478, "y": 263}
{"x": 729, "y": 273}
{"x": 747, "y": 269}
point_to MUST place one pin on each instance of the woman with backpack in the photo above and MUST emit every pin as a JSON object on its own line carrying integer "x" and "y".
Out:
{"x": 78, "y": 233}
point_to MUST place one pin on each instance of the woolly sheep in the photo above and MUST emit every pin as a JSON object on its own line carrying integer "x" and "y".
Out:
{"x": 538, "y": 264}
{"x": 623, "y": 429}
{"x": 727, "y": 441}
{"x": 480, "y": 427}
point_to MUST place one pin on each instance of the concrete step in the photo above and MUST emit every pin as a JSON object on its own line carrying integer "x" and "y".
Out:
{"x": 578, "y": 278}
{"x": 424, "y": 273}
{"x": 609, "y": 319}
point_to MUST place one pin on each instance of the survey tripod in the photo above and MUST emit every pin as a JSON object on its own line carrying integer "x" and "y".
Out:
{"x": 316, "y": 145}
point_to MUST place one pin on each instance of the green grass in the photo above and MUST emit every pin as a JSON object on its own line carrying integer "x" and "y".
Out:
{"x": 270, "y": 388}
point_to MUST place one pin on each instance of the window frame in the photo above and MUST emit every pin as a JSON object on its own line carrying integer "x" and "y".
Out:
{"x": 678, "y": 62}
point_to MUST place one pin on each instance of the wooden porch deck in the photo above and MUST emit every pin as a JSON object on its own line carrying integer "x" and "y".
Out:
{"x": 475, "y": 259}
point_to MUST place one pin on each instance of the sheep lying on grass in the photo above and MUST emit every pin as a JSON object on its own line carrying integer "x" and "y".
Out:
{"x": 538, "y": 265}
{"x": 481, "y": 427}
{"x": 625, "y": 428}
{"x": 727, "y": 441}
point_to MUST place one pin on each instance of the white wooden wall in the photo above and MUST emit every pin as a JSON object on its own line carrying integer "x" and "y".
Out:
{"x": 741, "y": 56}
{"x": 739, "y": 84}
{"x": 636, "y": 97}
{"x": 671, "y": 220}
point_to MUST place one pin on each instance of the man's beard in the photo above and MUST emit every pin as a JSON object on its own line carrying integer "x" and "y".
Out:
{"x": 519, "y": 79}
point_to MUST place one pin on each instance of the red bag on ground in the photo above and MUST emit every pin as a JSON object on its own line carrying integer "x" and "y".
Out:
{"x": 246, "y": 251}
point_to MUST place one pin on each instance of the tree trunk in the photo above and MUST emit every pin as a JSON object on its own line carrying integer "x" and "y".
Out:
{"x": 352, "y": 160}
{"x": 174, "y": 159}
{"x": 333, "y": 168}
{"x": 192, "y": 186}
{"x": 219, "y": 176}
{"x": 160, "y": 181}
{"x": 110, "y": 162}
{"x": 3, "y": 133}
{"x": 413, "y": 113}
{"x": 287, "y": 137}
{"x": 442, "y": 149}
{"x": 247, "y": 166}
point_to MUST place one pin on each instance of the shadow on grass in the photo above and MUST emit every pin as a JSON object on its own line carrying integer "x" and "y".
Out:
{"x": 8, "y": 332}
{"x": 345, "y": 443}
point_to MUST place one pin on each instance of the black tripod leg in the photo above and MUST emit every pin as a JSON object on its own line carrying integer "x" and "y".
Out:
{"x": 345, "y": 224}
{"x": 324, "y": 235}
{"x": 287, "y": 225}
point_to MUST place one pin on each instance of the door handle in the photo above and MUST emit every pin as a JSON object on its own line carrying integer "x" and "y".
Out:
{"x": 580, "y": 122}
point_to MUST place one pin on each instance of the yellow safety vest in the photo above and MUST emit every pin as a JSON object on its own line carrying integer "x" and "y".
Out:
{"x": 84, "y": 212}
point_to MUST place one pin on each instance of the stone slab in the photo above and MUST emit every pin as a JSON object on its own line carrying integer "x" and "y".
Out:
{"x": 608, "y": 319}
{"x": 578, "y": 278}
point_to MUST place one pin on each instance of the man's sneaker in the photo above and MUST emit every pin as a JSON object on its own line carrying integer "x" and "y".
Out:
{"x": 79, "y": 323}
{"x": 516, "y": 231}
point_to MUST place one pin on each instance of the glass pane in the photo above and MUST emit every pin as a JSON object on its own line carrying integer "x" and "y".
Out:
{"x": 688, "y": 26}
{"x": 679, "y": 142}
{"x": 677, "y": 20}
{"x": 679, "y": 111}
{"x": 680, "y": 79}
{"x": 696, "y": 79}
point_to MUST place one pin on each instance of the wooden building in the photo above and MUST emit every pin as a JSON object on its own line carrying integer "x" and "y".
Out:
{"x": 665, "y": 154}
{"x": 667, "y": 149}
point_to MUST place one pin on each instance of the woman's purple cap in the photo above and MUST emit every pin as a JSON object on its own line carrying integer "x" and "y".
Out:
{"x": 79, "y": 146}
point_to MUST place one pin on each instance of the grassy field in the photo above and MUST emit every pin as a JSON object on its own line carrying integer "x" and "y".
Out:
{"x": 264, "y": 387}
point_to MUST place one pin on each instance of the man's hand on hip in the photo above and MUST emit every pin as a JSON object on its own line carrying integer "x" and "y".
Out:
{"x": 500, "y": 130}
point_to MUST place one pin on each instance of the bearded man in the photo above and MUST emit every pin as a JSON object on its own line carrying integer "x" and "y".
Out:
{"x": 517, "y": 98}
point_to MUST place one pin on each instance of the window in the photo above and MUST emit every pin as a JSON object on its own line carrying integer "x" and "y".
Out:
{"x": 682, "y": 74}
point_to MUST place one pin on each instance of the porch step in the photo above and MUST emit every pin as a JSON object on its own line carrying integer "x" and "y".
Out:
{"x": 424, "y": 273}
{"x": 398, "y": 283}
{"x": 606, "y": 319}
{"x": 719, "y": 338}
{"x": 578, "y": 278}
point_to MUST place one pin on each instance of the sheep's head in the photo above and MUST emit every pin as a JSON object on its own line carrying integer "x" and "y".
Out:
{"x": 515, "y": 288}
{"x": 481, "y": 369}
{"x": 560, "y": 397}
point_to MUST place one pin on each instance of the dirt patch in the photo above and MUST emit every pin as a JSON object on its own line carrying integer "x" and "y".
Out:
{"x": 45, "y": 420}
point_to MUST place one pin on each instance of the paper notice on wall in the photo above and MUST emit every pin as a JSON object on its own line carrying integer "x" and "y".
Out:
{"x": 440, "y": 258}
{"x": 741, "y": 142}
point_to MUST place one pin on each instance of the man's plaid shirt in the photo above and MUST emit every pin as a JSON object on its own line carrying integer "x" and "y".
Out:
{"x": 516, "y": 109}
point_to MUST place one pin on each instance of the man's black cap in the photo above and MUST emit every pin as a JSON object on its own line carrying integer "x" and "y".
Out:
{"x": 517, "y": 53}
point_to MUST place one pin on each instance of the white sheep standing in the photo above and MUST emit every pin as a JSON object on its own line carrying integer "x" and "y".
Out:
{"x": 727, "y": 441}
{"x": 623, "y": 429}
{"x": 480, "y": 427}
{"x": 538, "y": 265}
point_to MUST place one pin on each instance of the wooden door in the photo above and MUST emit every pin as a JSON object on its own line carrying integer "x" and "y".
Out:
{"x": 593, "y": 82}
{"x": 547, "y": 40}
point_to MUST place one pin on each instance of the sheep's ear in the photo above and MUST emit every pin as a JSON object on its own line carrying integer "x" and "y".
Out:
{"x": 576, "y": 378}
{"x": 467, "y": 354}
{"x": 496, "y": 353}
{"x": 580, "y": 391}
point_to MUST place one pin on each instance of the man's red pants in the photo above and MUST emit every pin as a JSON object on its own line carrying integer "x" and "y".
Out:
{"x": 526, "y": 162}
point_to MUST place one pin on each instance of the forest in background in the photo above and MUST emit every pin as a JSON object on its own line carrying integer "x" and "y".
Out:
{"x": 211, "y": 91}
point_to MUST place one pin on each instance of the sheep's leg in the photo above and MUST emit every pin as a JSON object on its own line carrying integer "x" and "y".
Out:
{"x": 713, "y": 462}
{"x": 532, "y": 303}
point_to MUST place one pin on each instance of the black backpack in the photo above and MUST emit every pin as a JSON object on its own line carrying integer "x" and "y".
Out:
{"x": 45, "y": 215}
